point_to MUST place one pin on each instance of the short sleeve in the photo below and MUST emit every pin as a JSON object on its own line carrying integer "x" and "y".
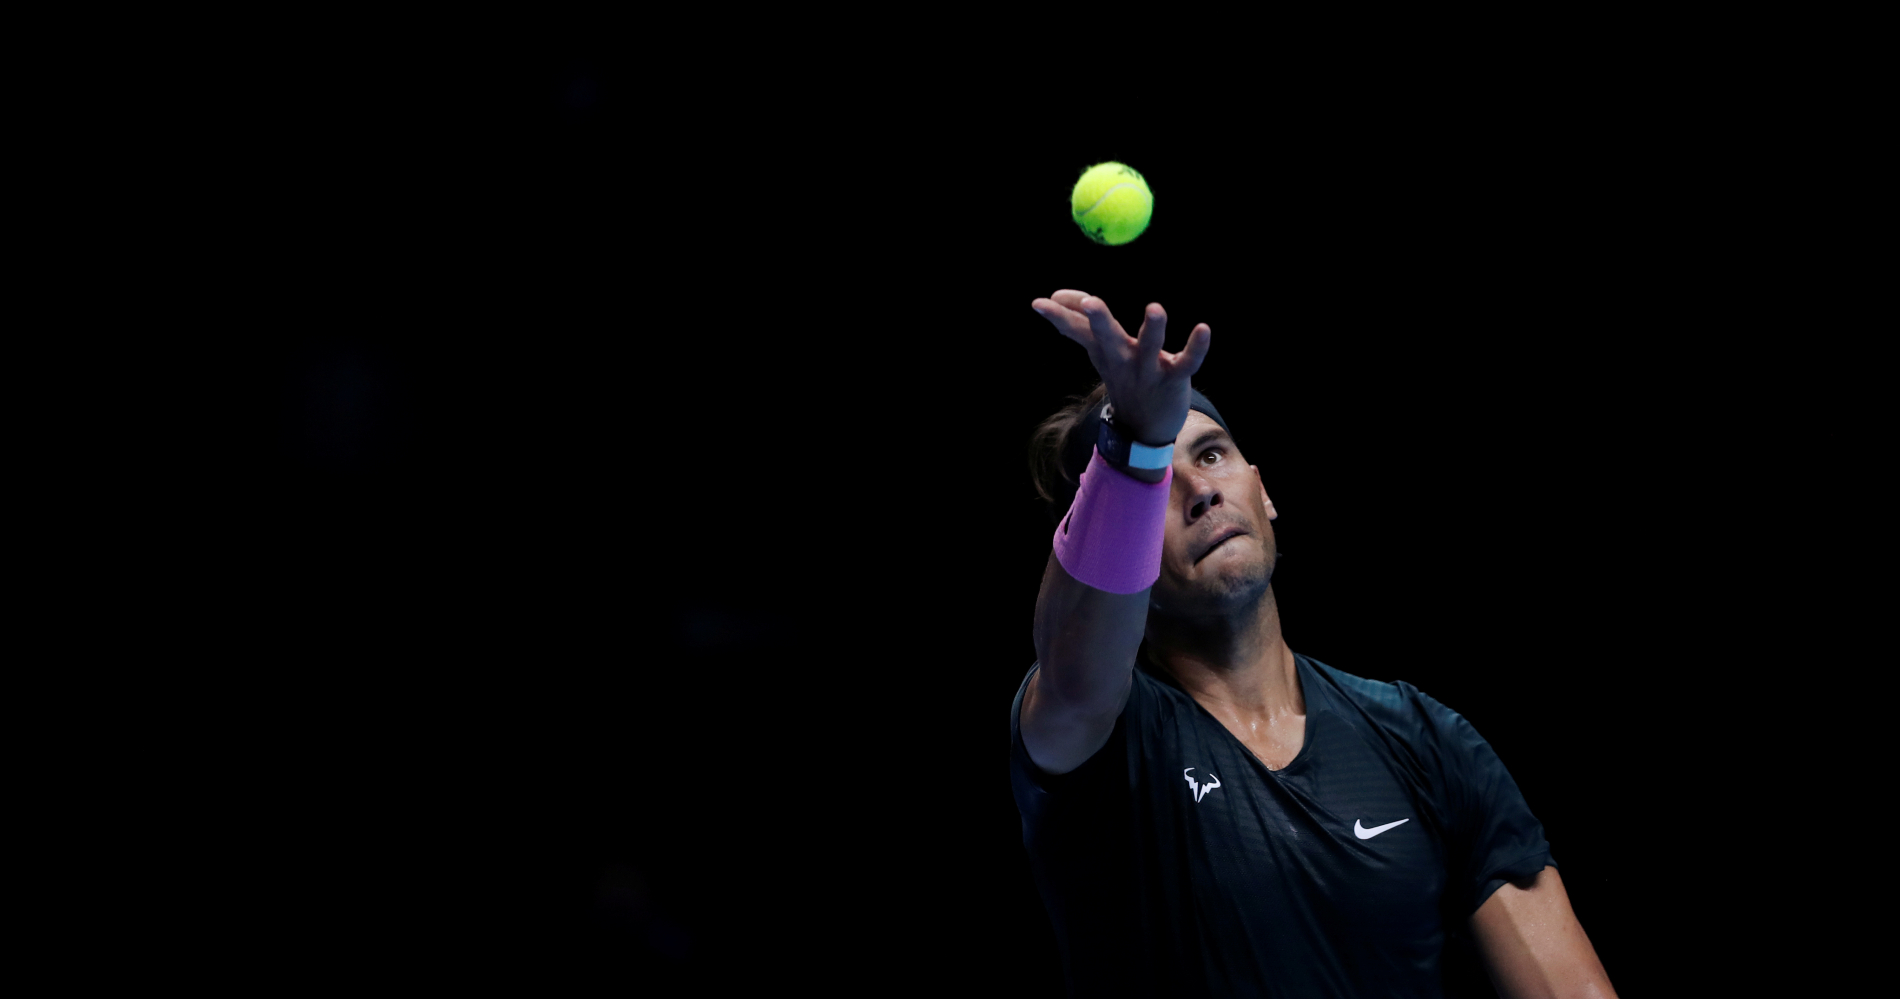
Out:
{"x": 1494, "y": 837}
{"x": 1026, "y": 780}
{"x": 1033, "y": 787}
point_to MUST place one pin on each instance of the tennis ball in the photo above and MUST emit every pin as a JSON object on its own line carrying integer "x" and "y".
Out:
{"x": 1112, "y": 203}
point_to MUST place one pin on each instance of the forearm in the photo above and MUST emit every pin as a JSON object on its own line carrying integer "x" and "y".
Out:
{"x": 1085, "y": 638}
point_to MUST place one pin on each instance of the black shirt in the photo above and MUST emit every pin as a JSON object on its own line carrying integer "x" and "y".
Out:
{"x": 1173, "y": 862}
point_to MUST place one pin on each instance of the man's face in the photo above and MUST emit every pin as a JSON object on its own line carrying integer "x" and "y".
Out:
{"x": 1219, "y": 553}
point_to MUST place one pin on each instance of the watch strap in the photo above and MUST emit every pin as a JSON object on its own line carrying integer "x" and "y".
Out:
{"x": 1120, "y": 449}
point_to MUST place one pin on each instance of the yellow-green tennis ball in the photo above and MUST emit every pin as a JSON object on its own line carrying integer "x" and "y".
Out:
{"x": 1112, "y": 203}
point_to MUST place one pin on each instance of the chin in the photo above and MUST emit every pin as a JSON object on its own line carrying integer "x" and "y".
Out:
{"x": 1232, "y": 583}
{"x": 1241, "y": 583}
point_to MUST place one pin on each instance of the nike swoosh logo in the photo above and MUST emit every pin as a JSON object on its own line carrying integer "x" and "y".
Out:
{"x": 1363, "y": 833}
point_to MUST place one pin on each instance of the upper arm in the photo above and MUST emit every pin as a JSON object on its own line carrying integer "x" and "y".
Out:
{"x": 1533, "y": 945}
{"x": 1086, "y": 641}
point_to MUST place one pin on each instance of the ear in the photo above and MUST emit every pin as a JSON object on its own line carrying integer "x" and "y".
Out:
{"x": 1272, "y": 514}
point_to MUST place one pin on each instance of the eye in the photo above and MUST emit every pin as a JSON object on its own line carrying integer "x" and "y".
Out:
{"x": 1210, "y": 456}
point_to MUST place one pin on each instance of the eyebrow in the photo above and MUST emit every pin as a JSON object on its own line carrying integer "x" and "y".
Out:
{"x": 1206, "y": 437}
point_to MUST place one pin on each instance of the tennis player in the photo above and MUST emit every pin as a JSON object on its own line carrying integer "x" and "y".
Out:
{"x": 1208, "y": 812}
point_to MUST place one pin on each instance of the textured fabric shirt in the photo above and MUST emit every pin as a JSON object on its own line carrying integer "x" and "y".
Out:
{"x": 1173, "y": 862}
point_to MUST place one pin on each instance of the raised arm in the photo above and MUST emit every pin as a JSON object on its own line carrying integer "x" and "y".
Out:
{"x": 1086, "y": 639}
{"x": 1533, "y": 945}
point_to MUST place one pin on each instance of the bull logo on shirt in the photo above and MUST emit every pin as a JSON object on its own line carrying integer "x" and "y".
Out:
{"x": 1199, "y": 789}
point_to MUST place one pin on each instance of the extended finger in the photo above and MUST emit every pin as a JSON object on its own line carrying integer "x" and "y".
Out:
{"x": 1102, "y": 322}
{"x": 1068, "y": 322}
{"x": 1188, "y": 360}
{"x": 1154, "y": 329}
{"x": 1070, "y": 298}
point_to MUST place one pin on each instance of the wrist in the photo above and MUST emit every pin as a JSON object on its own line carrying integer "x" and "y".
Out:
{"x": 1125, "y": 449}
{"x": 1132, "y": 427}
{"x": 1148, "y": 475}
{"x": 1135, "y": 471}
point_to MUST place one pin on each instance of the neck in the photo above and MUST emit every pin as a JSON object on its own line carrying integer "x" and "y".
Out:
{"x": 1235, "y": 659}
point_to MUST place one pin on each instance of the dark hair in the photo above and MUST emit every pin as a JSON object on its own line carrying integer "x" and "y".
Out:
{"x": 1048, "y": 445}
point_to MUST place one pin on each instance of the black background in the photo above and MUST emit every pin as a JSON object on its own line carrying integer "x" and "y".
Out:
{"x": 651, "y": 506}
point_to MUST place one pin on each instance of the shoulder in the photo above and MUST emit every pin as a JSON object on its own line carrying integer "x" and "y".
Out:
{"x": 1392, "y": 702}
{"x": 1397, "y": 710}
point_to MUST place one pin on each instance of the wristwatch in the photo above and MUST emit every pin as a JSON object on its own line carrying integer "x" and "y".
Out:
{"x": 1121, "y": 449}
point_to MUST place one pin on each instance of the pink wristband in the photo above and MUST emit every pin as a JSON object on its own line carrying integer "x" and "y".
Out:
{"x": 1111, "y": 537}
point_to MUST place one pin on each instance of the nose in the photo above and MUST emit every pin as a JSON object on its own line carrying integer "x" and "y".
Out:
{"x": 1202, "y": 497}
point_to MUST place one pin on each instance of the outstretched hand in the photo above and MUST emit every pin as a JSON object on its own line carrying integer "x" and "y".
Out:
{"x": 1147, "y": 385}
